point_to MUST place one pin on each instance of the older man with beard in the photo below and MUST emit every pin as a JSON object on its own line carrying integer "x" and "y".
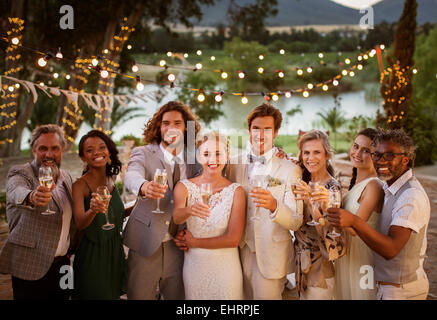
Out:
{"x": 38, "y": 243}
{"x": 400, "y": 243}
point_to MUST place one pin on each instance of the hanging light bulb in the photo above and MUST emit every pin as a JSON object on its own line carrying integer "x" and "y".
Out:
{"x": 59, "y": 54}
{"x": 306, "y": 94}
{"x": 104, "y": 74}
{"x": 360, "y": 67}
{"x": 106, "y": 51}
{"x": 42, "y": 84}
{"x": 199, "y": 52}
{"x": 55, "y": 75}
{"x": 219, "y": 97}
{"x": 321, "y": 55}
{"x": 288, "y": 94}
{"x": 382, "y": 47}
{"x": 310, "y": 86}
{"x": 360, "y": 58}
{"x": 15, "y": 41}
{"x": 94, "y": 62}
{"x": 366, "y": 57}
{"x": 282, "y": 51}
{"x": 299, "y": 72}
{"x": 17, "y": 85}
{"x": 260, "y": 70}
{"x": 241, "y": 74}
{"x": 224, "y": 75}
{"x": 11, "y": 89}
{"x": 281, "y": 74}
{"x": 42, "y": 62}
{"x": 325, "y": 87}
{"x": 135, "y": 68}
{"x": 162, "y": 63}
{"x": 347, "y": 61}
{"x": 199, "y": 66}
{"x": 244, "y": 100}
{"x": 185, "y": 55}
{"x": 352, "y": 74}
{"x": 335, "y": 82}
{"x": 171, "y": 77}
{"x": 415, "y": 71}
{"x": 344, "y": 72}
{"x": 309, "y": 69}
{"x": 129, "y": 47}
{"x": 201, "y": 97}
{"x": 275, "y": 97}
{"x": 212, "y": 58}
{"x": 67, "y": 76}
{"x": 169, "y": 54}
{"x": 261, "y": 57}
{"x": 140, "y": 85}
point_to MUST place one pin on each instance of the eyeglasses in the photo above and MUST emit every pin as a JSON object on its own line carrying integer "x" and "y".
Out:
{"x": 388, "y": 156}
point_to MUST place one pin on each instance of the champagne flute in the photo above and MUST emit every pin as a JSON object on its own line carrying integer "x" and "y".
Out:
{"x": 335, "y": 202}
{"x": 46, "y": 180}
{"x": 257, "y": 181}
{"x": 103, "y": 195}
{"x": 294, "y": 183}
{"x": 161, "y": 178}
{"x": 313, "y": 188}
{"x": 206, "y": 193}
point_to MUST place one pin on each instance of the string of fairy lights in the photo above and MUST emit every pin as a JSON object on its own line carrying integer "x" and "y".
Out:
{"x": 107, "y": 70}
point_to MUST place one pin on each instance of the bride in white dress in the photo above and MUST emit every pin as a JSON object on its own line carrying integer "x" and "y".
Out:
{"x": 365, "y": 199}
{"x": 212, "y": 268}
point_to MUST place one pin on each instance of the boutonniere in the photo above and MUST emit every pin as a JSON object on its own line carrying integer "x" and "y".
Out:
{"x": 273, "y": 182}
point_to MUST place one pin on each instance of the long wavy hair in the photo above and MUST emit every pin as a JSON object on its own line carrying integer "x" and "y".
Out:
{"x": 152, "y": 130}
{"x": 371, "y": 134}
{"x": 113, "y": 168}
{"x": 315, "y": 135}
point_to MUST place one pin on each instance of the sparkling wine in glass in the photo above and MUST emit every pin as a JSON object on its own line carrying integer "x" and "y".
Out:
{"x": 294, "y": 183}
{"x": 206, "y": 192}
{"x": 46, "y": 180}
{"x": 335, "y": 202}
{"x": 161, "y": 178}
{"x": 257, "y": 182}
{"x": 313, "y": 188}
{"x": 103, "y": 195}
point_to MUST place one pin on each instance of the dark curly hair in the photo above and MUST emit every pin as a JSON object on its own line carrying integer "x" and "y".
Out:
{"x": 371, "y": 134}
{"x": 112, "y": 169}
{"x": 152, "y": 131}
{"x": 399, "y": 137}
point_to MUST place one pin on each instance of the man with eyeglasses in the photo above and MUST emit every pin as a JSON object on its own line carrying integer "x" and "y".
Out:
{"x": 400, "y": 244}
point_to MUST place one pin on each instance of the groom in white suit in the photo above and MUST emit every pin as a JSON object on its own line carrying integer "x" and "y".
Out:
{"x": 266, "y": 246}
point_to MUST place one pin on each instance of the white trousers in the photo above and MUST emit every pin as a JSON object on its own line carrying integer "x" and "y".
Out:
{"x": 256, "y": 286}
{"x": 416, "y": 290}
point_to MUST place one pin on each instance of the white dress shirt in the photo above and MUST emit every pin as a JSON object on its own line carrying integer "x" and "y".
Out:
{"x": 411, "y": 210}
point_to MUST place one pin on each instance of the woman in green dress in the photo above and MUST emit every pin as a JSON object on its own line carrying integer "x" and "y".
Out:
{"x": 99, "y": 262}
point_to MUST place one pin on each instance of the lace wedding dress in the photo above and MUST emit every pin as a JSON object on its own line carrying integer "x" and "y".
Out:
{"x": 212, "y": 274}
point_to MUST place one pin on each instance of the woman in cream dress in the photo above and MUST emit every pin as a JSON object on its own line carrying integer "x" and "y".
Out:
{"x": 354, "y": 271}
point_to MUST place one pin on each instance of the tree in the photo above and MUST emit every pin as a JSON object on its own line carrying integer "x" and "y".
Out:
{"x": 396, "y": 85}
{"x": 333, "y": 118}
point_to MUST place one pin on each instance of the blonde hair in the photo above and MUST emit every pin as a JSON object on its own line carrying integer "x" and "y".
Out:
{"x": 323, "y": 137}
{"x": 201, "y": 138}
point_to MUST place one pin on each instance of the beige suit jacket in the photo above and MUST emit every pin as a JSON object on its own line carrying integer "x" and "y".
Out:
{"x": 270, "y": 237}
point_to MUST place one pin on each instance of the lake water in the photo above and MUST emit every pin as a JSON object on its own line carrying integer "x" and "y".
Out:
{"x": 235, "y": 113}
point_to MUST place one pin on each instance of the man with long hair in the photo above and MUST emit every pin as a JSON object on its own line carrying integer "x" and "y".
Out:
{"x": 154, "y": 260}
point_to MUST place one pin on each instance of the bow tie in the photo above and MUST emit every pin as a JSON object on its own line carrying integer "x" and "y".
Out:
{"x": 252, "y": 158}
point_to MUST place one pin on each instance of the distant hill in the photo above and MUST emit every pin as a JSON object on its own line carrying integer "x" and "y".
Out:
{"x": 323, "y": 12}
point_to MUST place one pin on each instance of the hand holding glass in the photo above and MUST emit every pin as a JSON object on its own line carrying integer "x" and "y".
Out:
{"x": 161, "y": 178}
{"x": 46, "y": 180}
{"x": 104, "y": 195}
